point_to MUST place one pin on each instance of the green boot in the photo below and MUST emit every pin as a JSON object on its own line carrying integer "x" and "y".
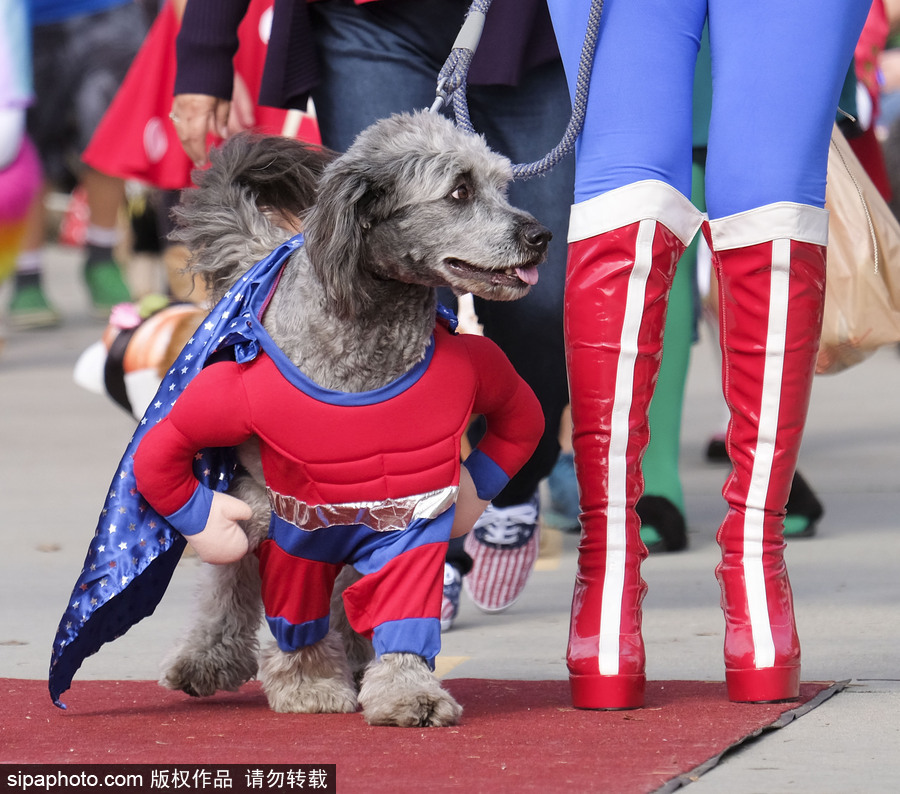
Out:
{"x": 661, "y": 508}
{"x": 106, "y": 286}
{"x": 30, "y": 309}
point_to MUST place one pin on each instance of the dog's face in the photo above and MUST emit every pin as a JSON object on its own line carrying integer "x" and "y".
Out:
{"x": 419, "y": 201}
{"x": 455, "y": 228}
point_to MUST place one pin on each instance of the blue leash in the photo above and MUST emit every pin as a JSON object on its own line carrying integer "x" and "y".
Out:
{"x": 451, "y": 85}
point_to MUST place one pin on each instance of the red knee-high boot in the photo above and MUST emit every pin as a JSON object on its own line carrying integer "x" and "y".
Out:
{"x": 623, "y": 247}
{"x": 770, "y": 264}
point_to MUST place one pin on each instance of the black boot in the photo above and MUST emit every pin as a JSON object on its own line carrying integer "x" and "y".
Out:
{"x": 659, "y": 513}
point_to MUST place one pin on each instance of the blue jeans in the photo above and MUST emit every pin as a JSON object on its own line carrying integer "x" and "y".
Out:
{"x": 382, "y": 58}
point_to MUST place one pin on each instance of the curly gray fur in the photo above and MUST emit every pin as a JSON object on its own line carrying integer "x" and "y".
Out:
{"x": 413, "y": 205}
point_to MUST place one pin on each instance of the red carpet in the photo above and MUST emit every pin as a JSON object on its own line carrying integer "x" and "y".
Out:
{"x": 515, "y": 735}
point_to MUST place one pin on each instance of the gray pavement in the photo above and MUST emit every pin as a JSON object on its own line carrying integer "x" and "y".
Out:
{"x": 59, "y": 446}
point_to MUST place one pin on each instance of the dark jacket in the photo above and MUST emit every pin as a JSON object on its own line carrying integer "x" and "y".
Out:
{"x": 518, "y": 35}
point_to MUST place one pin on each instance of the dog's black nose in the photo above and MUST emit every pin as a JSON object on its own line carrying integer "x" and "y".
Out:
{"x": 536, "y": 235}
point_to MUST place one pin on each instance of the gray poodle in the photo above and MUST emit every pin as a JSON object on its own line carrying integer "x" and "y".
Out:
{"x": 413, "y": 205}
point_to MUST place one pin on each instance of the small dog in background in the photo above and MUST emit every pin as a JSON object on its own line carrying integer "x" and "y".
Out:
{"x": 138, "y": 346}
{"x": 414, "y": 204}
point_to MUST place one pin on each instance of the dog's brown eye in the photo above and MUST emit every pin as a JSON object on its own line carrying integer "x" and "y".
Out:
{"x": 460, "y": 193}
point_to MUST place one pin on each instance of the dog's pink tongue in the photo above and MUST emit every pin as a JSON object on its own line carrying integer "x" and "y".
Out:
{"x": 528, "y": 274}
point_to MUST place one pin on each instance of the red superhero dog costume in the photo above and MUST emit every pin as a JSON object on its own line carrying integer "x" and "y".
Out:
{"x": 367, "y": 479}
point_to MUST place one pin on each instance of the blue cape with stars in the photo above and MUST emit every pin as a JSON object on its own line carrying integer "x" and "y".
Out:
{"x": 134, "y": 551}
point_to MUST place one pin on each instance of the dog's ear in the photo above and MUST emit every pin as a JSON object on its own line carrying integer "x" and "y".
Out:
{"x": 245, "y": 204}
{"x": 335, "y": 232}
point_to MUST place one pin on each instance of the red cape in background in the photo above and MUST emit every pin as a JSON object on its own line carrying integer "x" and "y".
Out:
{"x": 137, "y": 140}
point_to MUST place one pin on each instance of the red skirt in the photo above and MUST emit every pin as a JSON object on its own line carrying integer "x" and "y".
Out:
{"x": 137, "y": 140}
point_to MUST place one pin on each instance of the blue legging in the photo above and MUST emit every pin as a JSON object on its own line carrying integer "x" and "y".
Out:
{"x": 777, "y": 71}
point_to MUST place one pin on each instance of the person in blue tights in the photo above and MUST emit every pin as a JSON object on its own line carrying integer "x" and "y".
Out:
{"x": 777, "y": 71}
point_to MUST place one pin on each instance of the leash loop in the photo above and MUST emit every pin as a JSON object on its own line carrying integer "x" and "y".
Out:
{"x": 451, "y": 84}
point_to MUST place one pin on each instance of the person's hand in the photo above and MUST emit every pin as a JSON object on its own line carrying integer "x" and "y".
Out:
{"x": 222, "y": 540}
{"x": 243, "y": 111}
{"x": 195, "y": 116}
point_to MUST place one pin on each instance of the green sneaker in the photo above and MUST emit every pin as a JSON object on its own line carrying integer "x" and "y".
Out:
{"x": 29, "y": 308}
{"x": 107, "y": 287}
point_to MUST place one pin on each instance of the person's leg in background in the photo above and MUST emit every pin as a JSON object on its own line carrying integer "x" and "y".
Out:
{"x": 79, "y": 64}
{"x": 525, "y": 122}
{"x": 105, "y": 281}
{"x": 661, "y": 507}
{"x": 29, "y": 307}
{"x": 20, "y": 183}
{"x": 382, "y": 58}
{"x": 560, "y": 509}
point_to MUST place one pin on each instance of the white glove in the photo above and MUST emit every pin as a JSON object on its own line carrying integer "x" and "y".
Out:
{"x": 222, "y": 540}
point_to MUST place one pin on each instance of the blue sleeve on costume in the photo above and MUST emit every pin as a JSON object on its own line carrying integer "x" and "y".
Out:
{"x": 191, "y": 517}
{"x": 489, "y": 478}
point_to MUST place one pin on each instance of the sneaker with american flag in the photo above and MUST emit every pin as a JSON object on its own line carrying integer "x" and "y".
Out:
{"x": 504, "y": 547}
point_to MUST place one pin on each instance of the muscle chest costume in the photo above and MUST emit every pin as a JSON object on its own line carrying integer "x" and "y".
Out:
{"x": 368, "y": 479}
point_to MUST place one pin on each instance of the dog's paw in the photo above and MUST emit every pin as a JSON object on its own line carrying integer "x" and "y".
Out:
{"x": 203, "y": 673}
{"x": 312, "y": 696}
{"x": 312, "y": 680}
{"x": 399, "y": 689}
{"x": 432, "y": 709}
